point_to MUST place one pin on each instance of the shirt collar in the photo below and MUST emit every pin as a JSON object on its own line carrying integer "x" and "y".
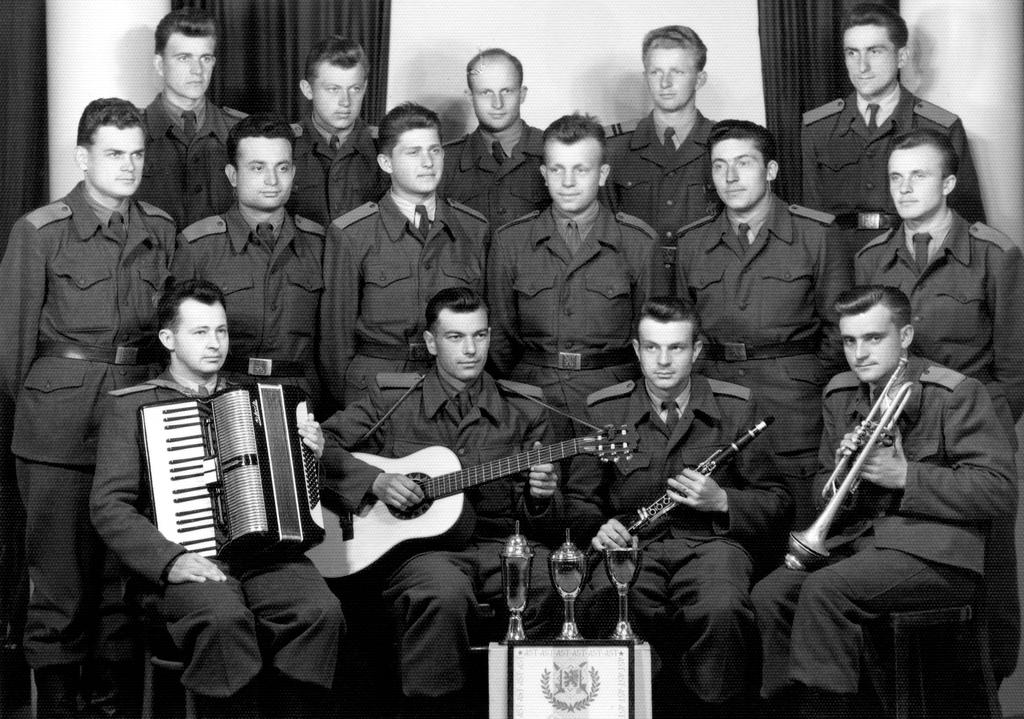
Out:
{"x": 175, "y": 113}
{"x": 886, "y": 106}
{"x": 511, "y": 137}
{"x": 646, "y": 132}
{"x": 485, "y": 395}
{"x": 240, "y": 230}
{"x": 940, "y": 234}
{"x": 531, "y": 142}
{"x": 682, "y": 399}
{"x": 701, "y": 401}
{"x": 408, "y": 209}
{"x": 605, "y": 229}
{"x": 166, "y": 379}
{"x": 584, "y": 222}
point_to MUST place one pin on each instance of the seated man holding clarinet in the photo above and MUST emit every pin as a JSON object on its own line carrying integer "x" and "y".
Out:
{"x": 934, "y": 467}
{"x": 258, "y": 626}
{"x": 700, "y": 534}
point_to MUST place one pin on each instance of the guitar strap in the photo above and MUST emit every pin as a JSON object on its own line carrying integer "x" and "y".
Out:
{"x": 383, "y": 418}
{"x": 510, "y": 386}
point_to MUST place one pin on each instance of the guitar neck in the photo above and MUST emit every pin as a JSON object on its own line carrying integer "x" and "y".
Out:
{"x": 444, "y": 485}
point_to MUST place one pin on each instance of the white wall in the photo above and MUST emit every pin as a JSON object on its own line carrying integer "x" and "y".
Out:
{"x": 577, "y": 55}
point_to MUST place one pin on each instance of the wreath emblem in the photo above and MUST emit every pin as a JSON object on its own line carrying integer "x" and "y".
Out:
{"x": 570, "y": 688}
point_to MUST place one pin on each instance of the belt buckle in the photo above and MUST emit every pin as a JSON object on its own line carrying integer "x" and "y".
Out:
{"x": 126, "y": 355}
{"x": 570, "y": 360}
{"x": 418, "y": 353}
{"x": 260, "y": 367}
{"x": 734, "y": 351}
{"x": 869, "y": 220}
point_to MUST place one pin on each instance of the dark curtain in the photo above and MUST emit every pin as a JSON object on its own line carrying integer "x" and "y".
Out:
{"x": 801, "y": 67}
{"x": 263, "y": 46}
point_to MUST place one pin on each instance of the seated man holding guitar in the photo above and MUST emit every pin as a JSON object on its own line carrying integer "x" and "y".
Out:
{"x": 692, "y": 596}
{"x": 477, "y": 420}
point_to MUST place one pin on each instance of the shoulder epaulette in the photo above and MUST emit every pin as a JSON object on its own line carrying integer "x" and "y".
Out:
{"x": 880, "y": 240}
{"x": 991, "y": 234}
{"x": 730, "y": 389}
{"x": 636, "y": 223}
{"x": 296, "y": 129}
{"x": 232, "y": 112}
{"x": 130, "y": 390}
{"x": 816, "y": 215}
{"x": 49, "y": 213}
{"x": 154, "y": 211}
{"x": 843, "y": 380}
{"x": 616, "y": 390}
{"x": 823, "y": 111}
{"x": 353, "y": 216}
{"x": 936, "y": 114}
{"x": 372, "y": 129}
{"x": 942, "y": 376}
{"x": 465, "y": 208}
{"x": 620, "y": 128}
{"x": 521, "y": 388}
{"x": 213, "y": 225}
{"x": 696, "y": 223}
{"x": 519, "y": 220}
{"x": 313, "y": 228}
{"x": 397, "y": 380}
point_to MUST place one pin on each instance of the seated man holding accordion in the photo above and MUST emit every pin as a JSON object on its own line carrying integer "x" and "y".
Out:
{"x": 224, "y": 614}
{"x": 935, "y": 467}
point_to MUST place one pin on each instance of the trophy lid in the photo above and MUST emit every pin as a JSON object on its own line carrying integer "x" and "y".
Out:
{"x": 567, "y": 551}
{"x": 516, "y": 545}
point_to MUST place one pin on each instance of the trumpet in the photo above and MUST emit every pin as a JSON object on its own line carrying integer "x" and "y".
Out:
{"x": 807, "y": 548}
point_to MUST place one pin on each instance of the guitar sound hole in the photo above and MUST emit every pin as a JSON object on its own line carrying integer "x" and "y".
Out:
{"x": 418, "y": 509}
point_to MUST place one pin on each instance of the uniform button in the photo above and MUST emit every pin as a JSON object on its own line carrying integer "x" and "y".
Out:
{"x": 81, "y": 282}
{"x": 917, "y": 318}
{"x": 568, "y": 311}
{"x": 741, "y": 372}
{"x": 669, "y": 203}
{"x": 462, "y": 450}
{"x": 47, "y": 384}
{"x": 427, "y": 265}
{"x": 743, "y": 305}
{"x": 197, "y": 189}
{"x": 671, "y": 174}
{"x": 869, "y": 153}
{"x": 275, "y": 307}
{"x": 502, "y": 211}
{"x": 869, "y": 186}
{"x": 123, "y": 371}
{"x": 668, "y": 234}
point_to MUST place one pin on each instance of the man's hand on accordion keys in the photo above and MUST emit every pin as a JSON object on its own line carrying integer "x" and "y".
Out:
{"x": 309, "y": 429}
{"x": 191, "y": 567}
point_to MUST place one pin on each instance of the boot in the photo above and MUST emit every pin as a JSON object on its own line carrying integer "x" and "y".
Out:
{"x": 57, "y": 691}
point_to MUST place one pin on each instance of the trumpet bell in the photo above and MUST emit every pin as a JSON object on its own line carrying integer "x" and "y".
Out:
{"x": 802, "y": 555}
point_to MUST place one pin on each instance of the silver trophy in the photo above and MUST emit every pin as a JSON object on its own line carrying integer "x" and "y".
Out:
{"x": 516, "y": 561}
{"x": 623, "y": 566}
{"x": 568, "y": 567}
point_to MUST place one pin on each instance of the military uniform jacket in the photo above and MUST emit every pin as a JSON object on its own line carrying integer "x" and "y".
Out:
{"x": 845, "y": 170}
{"x": 777, "y": 290}
{"x": 327, "y": 186}
{"x": 378, "y": 276}
{"x": 500, "y": 192}
{"x": 666, "y": 189}
{"x": 759, "y": 504}
{"x": 65, "y": 279}
{"x": 968, "y": 304}
{"x": 500, "y": 424}
{"x": 960, "y": 468}
{"x": 187, "y": 179}
{"x": 544, "y": 298}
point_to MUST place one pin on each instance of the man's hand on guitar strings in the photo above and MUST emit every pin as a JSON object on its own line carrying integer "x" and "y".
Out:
{"x": 397, "y": 490}
{"x": 543, "y": 479}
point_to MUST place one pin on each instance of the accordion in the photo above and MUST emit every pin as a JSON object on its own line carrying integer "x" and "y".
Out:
{"x": 229, "y": 474}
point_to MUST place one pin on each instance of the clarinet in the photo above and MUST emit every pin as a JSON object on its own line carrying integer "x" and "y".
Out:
{"x": 660, "y": 506}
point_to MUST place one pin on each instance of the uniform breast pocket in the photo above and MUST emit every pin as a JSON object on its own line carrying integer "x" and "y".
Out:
{"x": 52, "y": 374}
{"x": 634, "y": 194}
{"x": 836, "y": 158}
{"x": 388, "y": 293}
{"x": 82, "y": 294}
{"x": 608, "y": 303}
{"x": 458, "y": 275}
{"x": 963, "y": 313}
{"x": 707, "y": 286}
{"x": 786, "y": 290}
{"x": 303, "y": 290}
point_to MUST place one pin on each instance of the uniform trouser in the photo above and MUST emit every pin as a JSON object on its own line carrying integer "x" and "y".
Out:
{"x": 692, "y": 602}
{"x": 76, "y": 611}
{"x": 279, "y": 607}
{"x": 431, "y": 599}
{"x": 813, "y": 624}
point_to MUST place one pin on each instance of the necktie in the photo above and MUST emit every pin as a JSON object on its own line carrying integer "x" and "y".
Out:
{"x": 265, "y": 234}
{"x": 573, "y": 237}
{"x": 188, "y": 124}
{"x": 671, "y": 411}
{"x": 116, "y": 227}
{"x": 872, "y": 117}
{"x": 921, "y": 240}
{"x": 334, "y": 143}
{"x": 670, "y": 132}
{"x": 422, "y": 221}
{"x": 743, "y": 234}
{"x": 499, "y": 152}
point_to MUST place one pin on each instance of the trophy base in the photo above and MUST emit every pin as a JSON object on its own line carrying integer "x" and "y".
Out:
{"x": 570, "y": 633}
{"x": 624, "y": 633}
{"x": 515, "y": 632}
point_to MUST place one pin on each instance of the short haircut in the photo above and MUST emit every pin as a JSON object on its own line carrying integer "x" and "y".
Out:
{"x": 335, "y": 50}
{"x": 106, "y": 111}
{"x": 869, "y": 13}
{"x": 491, "y": 54}
{"x": 402, "y": 118}
{"x": 858, "y": 300}
{"x": 669, "y": 309}
{"x": 675, "y": 36}
{"x": 175, "y": 293}
{"x": 763, "y": 140}
{"x": 926, "y": 137}
{"x": 454, "y": 299}
{"x": 187, "y": 21}
{"x": 570, "y": 129}
{"x": 260, "y": 125}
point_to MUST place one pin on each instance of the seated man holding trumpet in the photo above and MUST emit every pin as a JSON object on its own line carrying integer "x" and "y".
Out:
{"x": 935, "y": 467}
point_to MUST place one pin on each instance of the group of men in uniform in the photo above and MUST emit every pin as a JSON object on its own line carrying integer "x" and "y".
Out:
{"x": 499, "y": 293}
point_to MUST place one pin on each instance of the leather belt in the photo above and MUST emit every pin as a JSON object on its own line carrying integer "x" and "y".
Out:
{"x": 596, "y": 359}
{"x": 91, "y": 353}
{"x": 412, "y": 352}
{"x": 739, "y": 352}
{"x": 868, "y": 221}
{"x": 263, "y": 367}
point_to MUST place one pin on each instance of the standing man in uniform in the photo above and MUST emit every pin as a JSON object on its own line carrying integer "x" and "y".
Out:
{"x": 845, "y": 143}
{"x": 79, "y": 283}
{"x": 494, "y": 168}
{"x": 764, "y": 276}
{"x": 186, "y": 135}
{"x": 266, "y": 261}
{"x": 660, "y": 170}
{"x": 966, "y": 286}
{"x": 335, "y": 150}
{"x": 566, "y": 284}
{"x": 384, "y": 260}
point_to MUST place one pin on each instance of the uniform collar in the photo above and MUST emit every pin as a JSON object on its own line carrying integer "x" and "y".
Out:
{"x": 240, "y": 231}
{"x": 886, "y": 106}
{"x": 358, "y": 139}
{"x": 165, "y": 379}
{"x": 901, "y": 117}
{"x": 87, "y": 223}
{"x": 957, "y": 242}
{"x": 702, "y": 402}
{"x": 488, "y": 399}
{"x": 647, "y": 134}
{"x": 158, "y": 121}
{"x": 531, "y": 143}
{"x": 605, "y": 229}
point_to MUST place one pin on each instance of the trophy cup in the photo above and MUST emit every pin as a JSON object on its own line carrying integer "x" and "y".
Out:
{"x": 568, "y": 567}
{"x": 623, "y": 566}
{"x": 516, "y": 559}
